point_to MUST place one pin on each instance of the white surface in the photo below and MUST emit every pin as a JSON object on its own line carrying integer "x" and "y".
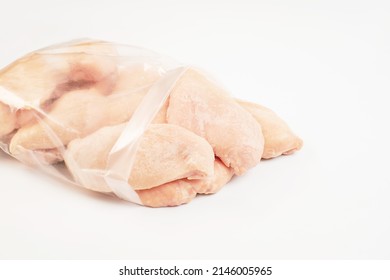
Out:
{"x": 322, "y": 65}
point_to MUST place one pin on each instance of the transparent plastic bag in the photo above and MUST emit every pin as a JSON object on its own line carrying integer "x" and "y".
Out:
{"x": 101, "y": 115}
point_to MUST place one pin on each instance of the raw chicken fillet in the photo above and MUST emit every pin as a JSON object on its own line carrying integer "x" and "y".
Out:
{"x": 96, "y": 113}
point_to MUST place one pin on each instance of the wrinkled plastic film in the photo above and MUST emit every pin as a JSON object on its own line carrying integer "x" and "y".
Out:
{"x": 12, "y": 100}
{"x": 122, "y": 155}
{"x": 121, "y": 158}
{"x": 28, "y": 156}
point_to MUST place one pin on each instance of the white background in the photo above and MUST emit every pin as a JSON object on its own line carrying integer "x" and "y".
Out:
{"x": 324, "y": 66}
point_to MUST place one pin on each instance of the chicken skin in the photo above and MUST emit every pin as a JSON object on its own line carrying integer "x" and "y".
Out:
{"x": 199, "y": 105}
{"x": 278, "y": 137}
{"x": 165, "y": 153}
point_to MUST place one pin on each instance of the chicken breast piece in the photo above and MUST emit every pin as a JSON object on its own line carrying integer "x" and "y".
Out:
{"x": 170, "y": 194}
{"x": 81, "y": 112}
{"x": 39, "y": 157}
{"x": 39, "y": 79}
{"x": 35, "y": 78}
{"x": 7, "y": 120}
{"x": 210, "y": 185}
{"x": 166, "y": 153}
{"x": 279, "y": 138}
{"x": 202, "y": 107}
{"x": 76, "y": 114}
{"x": 134, "y": 77}
{"x": 183, "y": 191}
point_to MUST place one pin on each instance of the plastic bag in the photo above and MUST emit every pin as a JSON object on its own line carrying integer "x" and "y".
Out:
{"x": 126, "y": 121}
